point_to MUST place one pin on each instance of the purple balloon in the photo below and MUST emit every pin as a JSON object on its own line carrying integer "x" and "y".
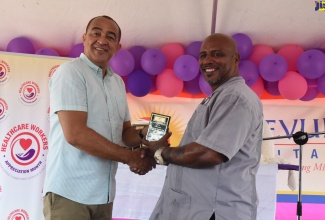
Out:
{"x": 192, "y": 86}
{"x": 139, "y": 83}
{"x": 21, "y": 45}
{"x": 47, "y": 52}
{"x": 76, "y": 50}
{"x": 193, "y": 49}
{"x": 321, "y": 84}
{"x": 311, "y": 64}
{"x": 312, "y": 90}
{"x": 244, "y": 45}
{"x": 137, "y": 52}
{"x": 273, "y": 67}
{"x": 272, "y": 87}
{"x": 248, "y": 70}
{"x": 122, "y": 62}
{"x": 204, "y": 86}
{"x": 153, "y": 61}
{"x": 186, "y": 67}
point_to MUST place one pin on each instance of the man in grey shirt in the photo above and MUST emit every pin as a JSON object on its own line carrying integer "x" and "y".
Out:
{"x": 212, "y": 174}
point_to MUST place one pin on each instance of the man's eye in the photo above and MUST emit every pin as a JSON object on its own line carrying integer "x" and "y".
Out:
{"x": 111, "y": 38}
{"x": 217, "y": 54}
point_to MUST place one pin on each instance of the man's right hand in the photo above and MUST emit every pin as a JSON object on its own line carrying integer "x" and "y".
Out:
{"x": 141, "y": 162}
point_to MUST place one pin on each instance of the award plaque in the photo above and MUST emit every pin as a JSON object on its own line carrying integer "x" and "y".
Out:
{"x": 158, "y": 126}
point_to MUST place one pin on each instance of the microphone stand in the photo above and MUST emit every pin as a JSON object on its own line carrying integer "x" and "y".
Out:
{"x": 299, "y": 138}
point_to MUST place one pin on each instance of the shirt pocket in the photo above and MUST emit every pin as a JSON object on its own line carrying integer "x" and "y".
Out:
{"x": 121, "y": 107}
{"x": 178, "y": 205}
{"x": 199, "y": 121}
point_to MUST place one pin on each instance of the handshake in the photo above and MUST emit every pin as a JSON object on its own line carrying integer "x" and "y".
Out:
{"x": 145, "y": 158}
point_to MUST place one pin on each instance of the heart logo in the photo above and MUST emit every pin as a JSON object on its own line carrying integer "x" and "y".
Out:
{"x": 29, "y": 90}
{"x": 25, "y": 143}
{"x": 18, "y": 218}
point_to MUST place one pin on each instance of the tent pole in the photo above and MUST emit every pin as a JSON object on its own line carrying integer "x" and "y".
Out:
{"x": 214, "y": 16}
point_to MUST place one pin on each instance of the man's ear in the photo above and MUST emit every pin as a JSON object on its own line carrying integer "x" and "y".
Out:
{"x": 119, "y": 47}
{"x": 237, "y": 58}
{"x": 83, "y": 37}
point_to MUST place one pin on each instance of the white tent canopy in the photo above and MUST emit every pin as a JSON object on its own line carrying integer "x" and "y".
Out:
{"x": 59, "y": 24}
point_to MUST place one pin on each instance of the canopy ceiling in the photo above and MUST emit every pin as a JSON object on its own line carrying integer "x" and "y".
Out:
{"x": 59, "y": 24}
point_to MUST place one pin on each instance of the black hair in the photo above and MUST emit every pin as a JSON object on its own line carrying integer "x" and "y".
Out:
{"x": 109, "y": 18}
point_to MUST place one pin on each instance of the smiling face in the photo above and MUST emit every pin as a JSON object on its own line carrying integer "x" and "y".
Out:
{"x": 101, "y": 41}
{"x": 218, "y": 59}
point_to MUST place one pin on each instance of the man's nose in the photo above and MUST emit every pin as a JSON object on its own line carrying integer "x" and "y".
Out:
{"x": 102, "y": 40}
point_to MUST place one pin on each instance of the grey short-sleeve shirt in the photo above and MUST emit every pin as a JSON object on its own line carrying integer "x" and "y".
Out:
{"x": 230, "y": 122}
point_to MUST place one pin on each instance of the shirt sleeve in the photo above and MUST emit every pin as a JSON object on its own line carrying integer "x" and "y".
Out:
{"x": 229, "y": 125}
{"x": 67, "y": 89}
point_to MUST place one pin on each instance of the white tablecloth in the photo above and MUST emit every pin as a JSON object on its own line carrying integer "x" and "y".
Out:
{"x": 137, "y": 195}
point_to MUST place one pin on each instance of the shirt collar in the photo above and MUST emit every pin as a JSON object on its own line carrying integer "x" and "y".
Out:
{"x": 94, "y": 67}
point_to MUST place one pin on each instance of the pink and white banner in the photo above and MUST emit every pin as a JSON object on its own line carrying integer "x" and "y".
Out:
{"x": 24, "y": 126}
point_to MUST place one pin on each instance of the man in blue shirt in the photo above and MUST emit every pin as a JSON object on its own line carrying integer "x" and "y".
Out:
{"x": 90, "y": 122}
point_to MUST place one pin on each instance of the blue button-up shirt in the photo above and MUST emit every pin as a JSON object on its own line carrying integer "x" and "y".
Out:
{"x": 78, "y": 85}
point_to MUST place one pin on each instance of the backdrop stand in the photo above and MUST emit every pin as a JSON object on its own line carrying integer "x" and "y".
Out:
{"x": 299, "y": 138}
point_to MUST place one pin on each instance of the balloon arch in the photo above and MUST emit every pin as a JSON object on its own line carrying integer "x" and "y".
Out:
{"x": 291, "y": 72}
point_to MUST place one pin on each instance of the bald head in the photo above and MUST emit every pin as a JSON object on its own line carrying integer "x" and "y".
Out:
{"x": 226, "y": 40}
{"x": 219, "y": 59}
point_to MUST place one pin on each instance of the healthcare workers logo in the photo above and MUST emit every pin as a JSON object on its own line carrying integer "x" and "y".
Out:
{"x": 4, "y": 72}
{"x": 52, "y": 70}
{"x": 48, "y": 113}
{"x": 3, "y": 110}
{"x": 18, "y": 214}
{"x": 29, "y": 93}
{"x": 23, "y": 151}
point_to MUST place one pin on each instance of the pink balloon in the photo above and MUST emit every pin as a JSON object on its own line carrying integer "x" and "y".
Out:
{"x": 259, "y": 52}
{"x": 292, "y": 86}
{"x": 258, "y": 87}
{"x": 168, "y": 84}
{"x": 312, "y": 91}
{"x": 172, "y": 51}
{"x": 291, "y": 53}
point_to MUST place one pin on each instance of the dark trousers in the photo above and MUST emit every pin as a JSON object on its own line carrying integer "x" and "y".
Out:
{"x": 212, "y": 217}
